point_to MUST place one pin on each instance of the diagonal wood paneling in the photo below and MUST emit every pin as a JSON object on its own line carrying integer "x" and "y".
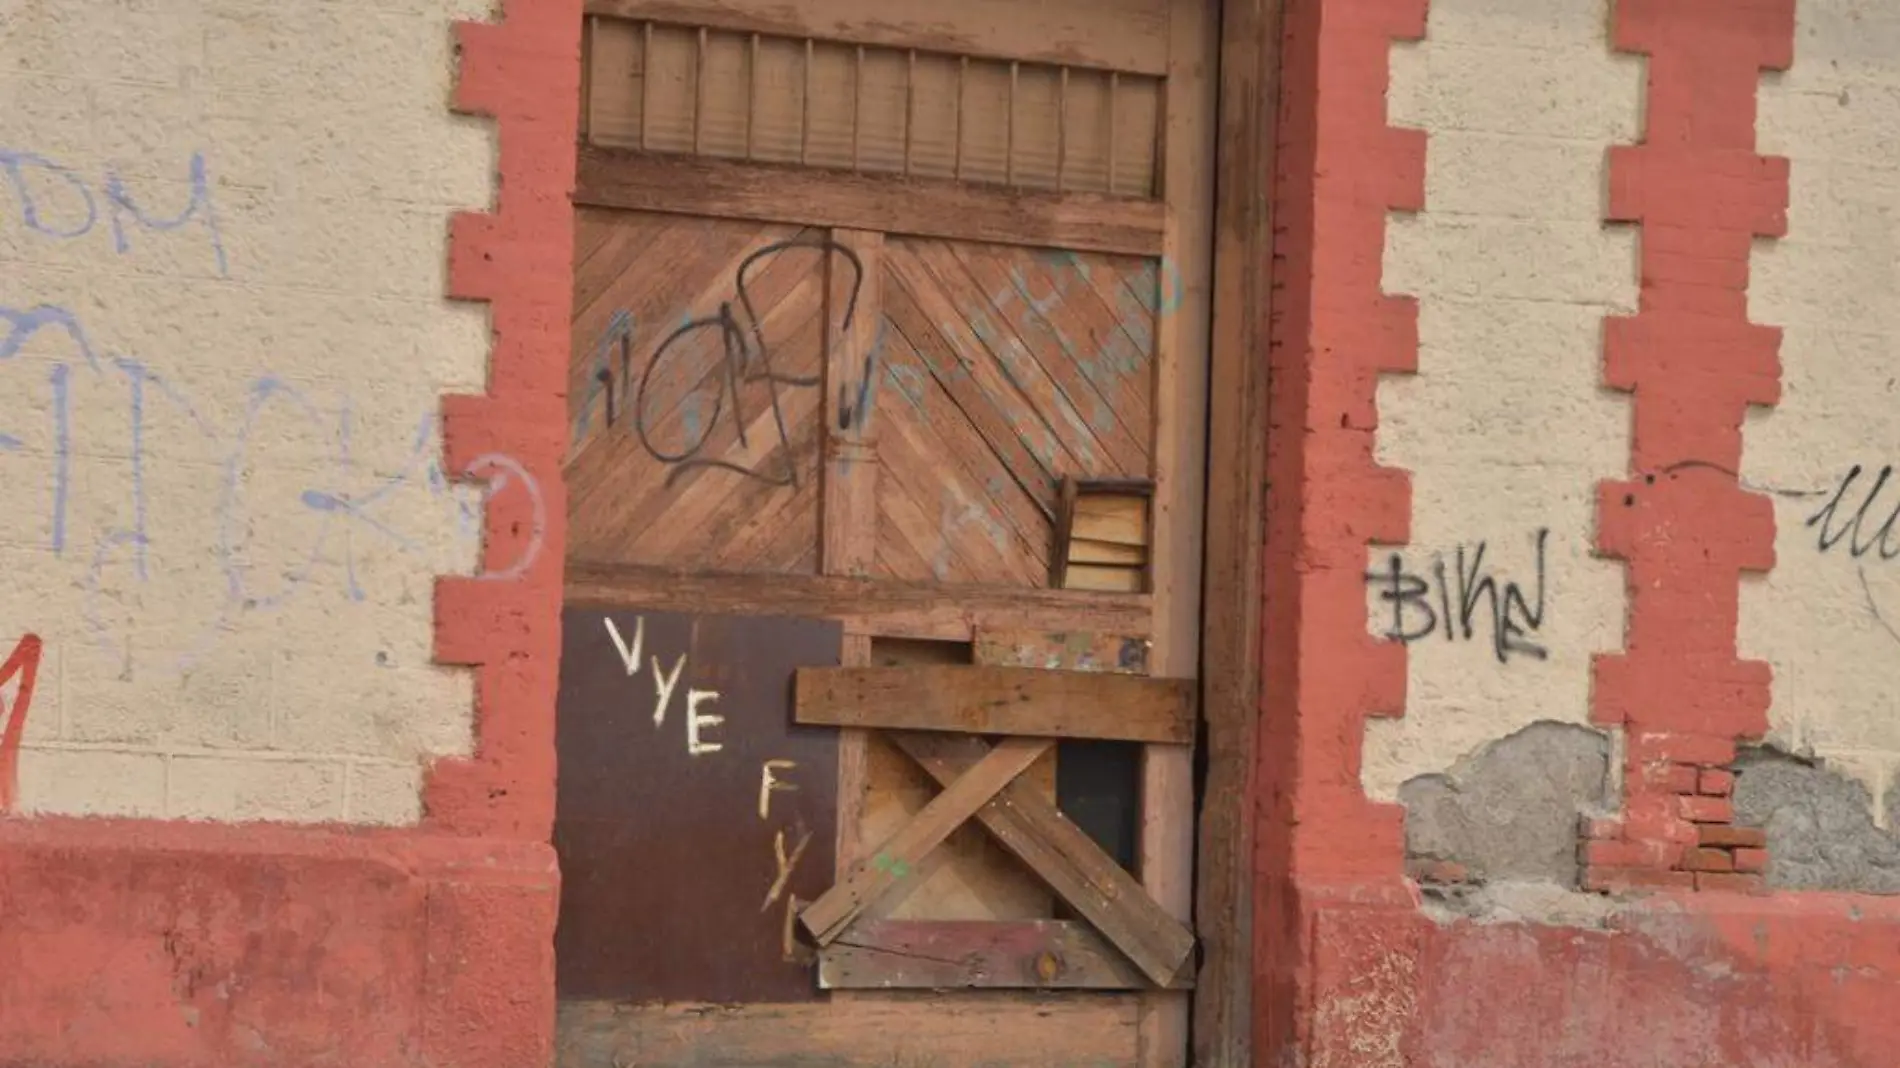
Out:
{"x": 699, "y": 447}
{"x": 1003, "y": 369}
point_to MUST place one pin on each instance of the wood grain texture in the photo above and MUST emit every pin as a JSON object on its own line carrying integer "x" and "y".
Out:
{"x": 1224, "y": 1013}
{"x": 1031, "y": 828}
{"x": 897, "y": 858}
{"x": 1124, "y": 35}
{"x": 773, "y": 193}
{"x": 994, "y": 1030}
{"x": 1181, "y": 356}
{"x": 999, "y": 700}
{"x": 865, "y": 606}
{"x": 1061, "y": 650}
{"x": 695, "y": 443}
{"x": 974, "y": 955}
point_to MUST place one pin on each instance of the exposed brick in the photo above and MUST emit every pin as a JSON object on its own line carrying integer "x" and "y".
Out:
{"x": 1708, "y": 860}
{"x": 1722, "y": 835}
{"x": 1698, "y": 749}
{"x": 1751, "y": 860}
{"x": 1614, "y": 879}
{"x": 1675, "y": 778}
{"x": 1597, "y": 827}
{"x": 1706, "y": 809}
{"x": 1631, "y": 854}
{"x": 1716, "y": 782}
{"x": 1729, "y": 881}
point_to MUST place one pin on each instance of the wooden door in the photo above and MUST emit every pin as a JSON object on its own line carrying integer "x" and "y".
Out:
{"x": 889, "y": 367}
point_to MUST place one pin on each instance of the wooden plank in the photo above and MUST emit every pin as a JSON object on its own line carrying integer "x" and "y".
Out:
{"x": 1116, "y": 520}
{"x": 1094, "y": 577}
{"x": 1224, "y": 1010}
{"x": 892, "y": 1030}
{"x": 975, "y": 955}
{"x": 1181, "y": 368}
{"x": 677, "y": 757}
{"x": 1061, "y": 650}
{"x": 1123, "y": 35}
{"x": 999, "y": 700}
{"x": 1086, "y": 551}
{"x": 864, "y": 606}
{"x": 898, "y": 857}
{"x": 1030, "y": 827}
{"x": 854, "y": 766}
{"x": 614, "y": 178}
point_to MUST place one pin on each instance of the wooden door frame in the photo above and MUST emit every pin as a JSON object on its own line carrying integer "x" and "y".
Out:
{"x": 1247, "y": 94}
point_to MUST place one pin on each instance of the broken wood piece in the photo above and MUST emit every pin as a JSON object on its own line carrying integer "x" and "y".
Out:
{"x": 999, "y": 700}
{"x": 1116, "y": 520}
{"x": 1077, "y": 869}
{"x": 1072, "y": 650}
{"x": 976, "y": 954}
{"x": 1105, "y": 579}
{"x": 1087, "y": 551}
{"x": 834, "y": 910}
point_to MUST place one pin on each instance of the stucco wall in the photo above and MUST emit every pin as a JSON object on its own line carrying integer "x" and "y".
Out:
{"x": 223, "y": 236}
{"x": 1505, "y": 427}
{"x": 1827, "y": 618}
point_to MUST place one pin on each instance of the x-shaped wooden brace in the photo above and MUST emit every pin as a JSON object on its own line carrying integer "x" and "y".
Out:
{"x": 981, "y": 782}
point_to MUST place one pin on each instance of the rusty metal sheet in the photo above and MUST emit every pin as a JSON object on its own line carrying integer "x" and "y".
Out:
{"x": 692, "y": 816}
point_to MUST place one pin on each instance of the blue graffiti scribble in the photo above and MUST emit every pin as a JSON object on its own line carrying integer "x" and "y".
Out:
{"x": 199, "y": 209}
{"x": 15, "y": 164}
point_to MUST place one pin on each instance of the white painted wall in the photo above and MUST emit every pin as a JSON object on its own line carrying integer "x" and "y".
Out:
{"x": 1829, "y": 622}
{"x": 1505, "y": 428}
{"x": 224, "y": 509}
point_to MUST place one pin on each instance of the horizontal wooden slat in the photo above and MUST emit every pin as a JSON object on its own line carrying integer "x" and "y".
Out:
{"x": 689, "y": 185}
{"x": 1123, "y": 35}
{"x": 998, "y": 700}
{"x": 865, "y": 606}
{"x": 976, "y": 954}
{"x": 996, "y": 1030}
{"x": 896, "y": 859}
{"x": 1028, "y": 825}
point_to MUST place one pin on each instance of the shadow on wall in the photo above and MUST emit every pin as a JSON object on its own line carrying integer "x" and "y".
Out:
{"x": 1821, "y": 830}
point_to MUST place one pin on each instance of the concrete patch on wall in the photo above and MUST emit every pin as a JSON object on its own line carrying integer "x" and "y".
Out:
{"x": 1822, "y": 834}
{"x": 1827, "y": 618}
{"x": 1510, "y": 811}
{"x": 1505, "y": 428}
{"x": 223, "y": 343}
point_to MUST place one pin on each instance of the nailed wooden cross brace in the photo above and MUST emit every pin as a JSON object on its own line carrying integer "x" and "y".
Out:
{"x": 981, "y": 782}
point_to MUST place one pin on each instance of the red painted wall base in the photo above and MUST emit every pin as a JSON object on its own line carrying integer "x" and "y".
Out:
{"x": 1686, "y": 981}
{"x": 165, "y": 945}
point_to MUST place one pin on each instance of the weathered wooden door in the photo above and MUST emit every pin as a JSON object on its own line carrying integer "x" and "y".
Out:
{"x": 885, "y": 492}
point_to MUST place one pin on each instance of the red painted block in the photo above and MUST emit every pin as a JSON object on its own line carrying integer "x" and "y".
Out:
{"x": 1706, "y": 809}
{"x": 1701, "y": 860}
{"x": 1751, "y": 860}
{"x": 1735, "y": 837}
{"x": 1717, "y": 783}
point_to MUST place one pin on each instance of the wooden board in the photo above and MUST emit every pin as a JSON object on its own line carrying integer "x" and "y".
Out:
{"x": 895, "y": 609}
{"x": 973, "y": 1030}
{"x": 999, "y": 700}
{"x": 940, "y": 208}
{"x": 692, "y": 816}
{"x": 1059, "y": 853}
{"x": 1062, "y": 650}
{"x": 897, "y": 858}
{"x": 1126, "y": 35}
{"x": 973, "y": 955}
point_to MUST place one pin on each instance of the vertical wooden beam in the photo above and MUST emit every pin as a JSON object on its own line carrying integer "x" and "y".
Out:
{"x": 847, "y": 515}
{"x": 1181, "y": 368}
{"x": 1236, "y": 527}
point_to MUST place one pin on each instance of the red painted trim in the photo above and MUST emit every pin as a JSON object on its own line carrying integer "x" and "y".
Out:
{"x": 1341, "y": 169}
{"x": 525, "y": 72}
{"x": 1693, "y": 361}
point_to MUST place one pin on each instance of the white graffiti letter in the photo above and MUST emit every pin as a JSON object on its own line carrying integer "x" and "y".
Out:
{"x": 629, "y": 657}
{"x": 694, "y": 721}
{"x": 770, "y": 784}
{"x": 663, "y": 687}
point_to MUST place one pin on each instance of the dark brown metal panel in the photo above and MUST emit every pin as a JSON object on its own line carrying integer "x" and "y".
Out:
{"x": 668, "y": 871}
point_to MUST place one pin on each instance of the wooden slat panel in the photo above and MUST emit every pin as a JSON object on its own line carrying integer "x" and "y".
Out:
{"x": 973, "y": 955}
{"x": 1124, "y": 35}
{"x": 911, "y": 1030}
{"x": 906, "y": 610}
{"x": 999, "y": 700}
{"x": 683, "y": 452}
{"x": 1079, "y": 872}
{"x": 688, "y": 185}
{"x": 897, "y": 858}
